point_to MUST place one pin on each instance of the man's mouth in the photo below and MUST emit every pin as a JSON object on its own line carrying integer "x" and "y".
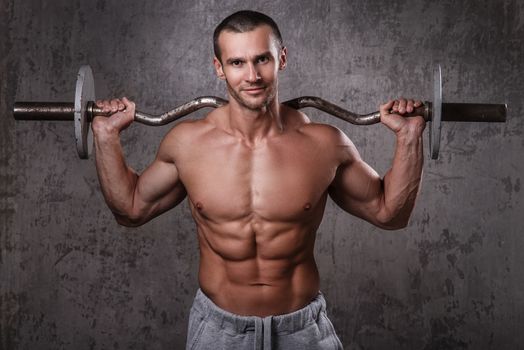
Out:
{"x": 254, "y": 89}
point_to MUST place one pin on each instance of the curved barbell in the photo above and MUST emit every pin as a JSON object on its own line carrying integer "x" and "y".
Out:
{"x": 84, "y": 109}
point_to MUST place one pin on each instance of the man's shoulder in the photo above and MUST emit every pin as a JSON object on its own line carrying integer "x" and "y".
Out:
{"x": 183, "y": 137}
{"x": 325, "y": 133}
{"x": 188, "y": 130}
{"x": 330, "y": 140}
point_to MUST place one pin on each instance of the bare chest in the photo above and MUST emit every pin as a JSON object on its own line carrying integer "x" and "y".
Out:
{"x": 278, "y": 181}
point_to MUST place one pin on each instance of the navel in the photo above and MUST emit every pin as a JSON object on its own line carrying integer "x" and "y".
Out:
{"x": 307, "y": 206}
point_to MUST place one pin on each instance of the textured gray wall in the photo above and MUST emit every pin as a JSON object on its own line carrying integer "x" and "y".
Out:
{"x": 71, "y": 278}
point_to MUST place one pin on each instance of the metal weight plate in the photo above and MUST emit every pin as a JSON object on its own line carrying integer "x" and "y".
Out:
{"x": 434, "y": 131}
{"x": 84, "y": 92}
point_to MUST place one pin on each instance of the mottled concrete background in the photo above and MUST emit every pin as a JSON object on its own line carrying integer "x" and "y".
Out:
{"x": 71, "y": 278}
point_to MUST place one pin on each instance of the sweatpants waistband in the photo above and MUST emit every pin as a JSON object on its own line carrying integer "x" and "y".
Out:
{"x": 282, "y": 324}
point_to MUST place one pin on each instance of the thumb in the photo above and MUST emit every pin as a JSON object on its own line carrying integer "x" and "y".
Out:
{"x": 122, "y": 119}
{"x": 386, "y": 107}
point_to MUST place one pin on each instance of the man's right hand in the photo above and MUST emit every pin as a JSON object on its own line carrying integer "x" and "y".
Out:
{"x": 122, "y": 115}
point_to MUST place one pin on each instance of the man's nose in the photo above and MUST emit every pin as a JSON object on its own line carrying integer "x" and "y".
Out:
{"x": 252, "y": 74}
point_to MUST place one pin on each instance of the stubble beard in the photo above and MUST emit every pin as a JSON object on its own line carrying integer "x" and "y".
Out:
{"x": 270, "y": 92}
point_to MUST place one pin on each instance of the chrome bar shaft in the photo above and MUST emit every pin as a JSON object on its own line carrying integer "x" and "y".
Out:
{"x": 451, "y": 111}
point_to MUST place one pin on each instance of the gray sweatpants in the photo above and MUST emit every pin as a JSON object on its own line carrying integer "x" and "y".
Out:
{"x": 211, "y": 327}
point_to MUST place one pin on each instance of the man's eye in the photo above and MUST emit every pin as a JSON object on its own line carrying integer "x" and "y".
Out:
{"x": 263, "y": 59}
{"x": 236, "y": 63}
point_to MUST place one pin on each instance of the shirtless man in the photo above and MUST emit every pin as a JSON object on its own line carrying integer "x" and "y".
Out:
{"x": 257, "y": 175}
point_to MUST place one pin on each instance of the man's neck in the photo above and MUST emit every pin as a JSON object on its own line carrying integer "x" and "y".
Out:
{"x": 254, "y": 126}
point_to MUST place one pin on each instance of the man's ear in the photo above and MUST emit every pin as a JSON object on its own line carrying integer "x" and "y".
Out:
{"x": 218, "y": 68}
{"x": 283, "y": 58}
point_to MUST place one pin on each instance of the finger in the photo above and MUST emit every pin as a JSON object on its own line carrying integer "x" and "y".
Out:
{"x": 417, "y": 103}
{"x": 114, "y": 105}
{"x": 395, "y": 106}
{"x": 402, "y": 105}
{"x": 106, "y": 107}
{"x": 409, "y": 106}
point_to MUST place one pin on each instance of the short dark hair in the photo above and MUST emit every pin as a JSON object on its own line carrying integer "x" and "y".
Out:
{"x": 244, "y": 21}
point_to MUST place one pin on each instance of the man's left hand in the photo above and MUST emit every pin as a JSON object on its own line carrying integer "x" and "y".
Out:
{"x": 391, "y": 115}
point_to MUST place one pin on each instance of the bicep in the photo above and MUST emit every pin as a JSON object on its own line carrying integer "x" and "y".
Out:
{"x": 357, "y": 188}
{"x": 159, "y": 187}
{"x": 159, "y": 182}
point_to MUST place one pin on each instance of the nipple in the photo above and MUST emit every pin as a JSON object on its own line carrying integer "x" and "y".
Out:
{"x": 199, "y": 206}
{"x": 307, "y": 206}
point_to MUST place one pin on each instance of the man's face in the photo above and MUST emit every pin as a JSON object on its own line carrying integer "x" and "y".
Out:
{"x": 250, "y": 65}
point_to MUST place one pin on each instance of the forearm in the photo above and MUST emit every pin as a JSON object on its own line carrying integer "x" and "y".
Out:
{"x": 402, "y": 182}
{"x": 117, "y": 180}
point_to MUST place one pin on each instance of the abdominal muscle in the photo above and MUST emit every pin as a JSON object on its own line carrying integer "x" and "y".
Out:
{"x": 267, "y": 271}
